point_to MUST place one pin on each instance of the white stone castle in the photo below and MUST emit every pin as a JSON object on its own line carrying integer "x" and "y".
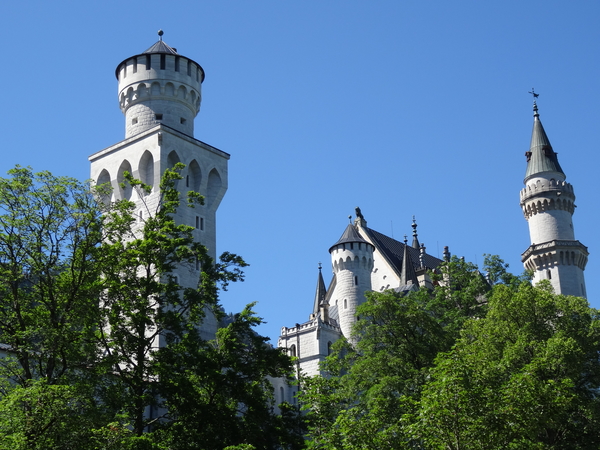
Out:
{"x": 160, "y": 94}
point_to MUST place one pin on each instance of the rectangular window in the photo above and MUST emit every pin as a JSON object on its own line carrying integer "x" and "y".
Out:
{"x": 134, "y": 121}
{"x": 158, "y": 116}
{"x": 177, "y": 64}
{"x": 189, "y": 70}
{"x": 182, "y": 121}
{"x": 201, "y": 223}
{"x": 148, "y": 62}
{"x": 197, "y": 263}
{"x": 197, "y": 222}
{"x": 135, "y": 65}
{"x": 163, "y": 61}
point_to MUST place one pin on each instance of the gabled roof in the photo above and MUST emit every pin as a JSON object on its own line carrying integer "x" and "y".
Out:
{"x": 393, "y": 251}
{"x": 540, "y": 157}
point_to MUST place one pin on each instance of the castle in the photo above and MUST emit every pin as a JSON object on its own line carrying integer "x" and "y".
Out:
{"x": 160, "y": 95}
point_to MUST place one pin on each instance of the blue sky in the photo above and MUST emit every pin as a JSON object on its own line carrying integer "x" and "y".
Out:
{"x": 400, "y": 107}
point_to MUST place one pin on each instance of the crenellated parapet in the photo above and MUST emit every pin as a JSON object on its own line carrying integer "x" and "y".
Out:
{"x": 159, "y": 86}
{"x": 547, "y": 195}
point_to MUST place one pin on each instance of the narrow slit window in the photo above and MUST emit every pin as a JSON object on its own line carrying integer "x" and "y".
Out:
{"x": 177, "y": 64}
{"x": 148, "y": 62}
{"x": 197, "y": 222}
{"x": 163, "y": 62}
{"x": 201, "y": 223}
{"x": 197, "y": 263}
{"x": 134, "y": 65}
{"x": 134, "y": 121}
{"x": 187, "y": 181}
{"x": 182, "y": 121}
{"x": 189, "y": 68}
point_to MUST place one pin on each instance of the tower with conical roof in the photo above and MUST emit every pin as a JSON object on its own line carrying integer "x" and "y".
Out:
{"x": 548, "y": 203}
{"x": 352, "y": 262}
{"x": 159, "y": 93}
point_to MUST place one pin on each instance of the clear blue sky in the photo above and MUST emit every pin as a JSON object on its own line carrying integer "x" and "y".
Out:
{"x": 400, "y": 107}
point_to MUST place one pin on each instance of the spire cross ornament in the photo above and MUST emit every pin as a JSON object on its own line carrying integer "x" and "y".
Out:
{"x": 532, "y": 92}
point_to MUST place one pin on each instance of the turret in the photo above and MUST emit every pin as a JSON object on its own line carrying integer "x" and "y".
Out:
{"x": 159, "y": 86}
{"x": 352, "y": 262}
{"x": 548, "y": 203}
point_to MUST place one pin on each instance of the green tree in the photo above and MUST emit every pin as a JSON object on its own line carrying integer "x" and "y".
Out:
{"x": 49, "y": 286}
{"x": 218, "y": 393}
{"x": 526, "y": 376}
{"x": 373, "y": 387}
{"x": 99, "y": 332}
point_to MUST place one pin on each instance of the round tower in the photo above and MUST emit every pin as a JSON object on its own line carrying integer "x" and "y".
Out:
{"x": 548, "y": 203}
{"x": 159, "y": 86}
{"x": 352, "y": 263}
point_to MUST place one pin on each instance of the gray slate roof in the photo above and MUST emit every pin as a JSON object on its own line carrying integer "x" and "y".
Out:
{"x": 540, "y": 157}
{"x": 350, "y": 234}
{"x": 393, "y": 251}
{"x": 161, "y": 47}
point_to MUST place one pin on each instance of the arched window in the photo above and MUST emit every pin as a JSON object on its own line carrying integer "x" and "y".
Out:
{"x": 292, "y": 350}
{"x": 345, "y": 304}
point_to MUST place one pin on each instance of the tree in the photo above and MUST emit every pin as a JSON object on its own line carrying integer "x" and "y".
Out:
{"x": 526, "y": 376}
{"x": 373, "y": 386}
{"x": 49, "y": 285}
{"x": 105, "y": 342}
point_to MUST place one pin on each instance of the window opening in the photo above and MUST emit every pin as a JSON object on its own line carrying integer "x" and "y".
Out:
{"x": 177, "y": 64}
{"x": 158, "y": 116}
{"x": 148, "y": 64}
{"x": 163, "y": 59}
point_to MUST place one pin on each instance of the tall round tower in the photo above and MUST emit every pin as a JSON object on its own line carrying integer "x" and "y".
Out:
{"x": 159, "y": 86}
{"x": 548, "y": 205}
{"x": 352, "y": 262}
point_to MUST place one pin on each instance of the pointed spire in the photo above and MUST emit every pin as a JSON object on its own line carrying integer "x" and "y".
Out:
{"x": 407, "y": 274}
{"x": 540, "y": 157}
{"x": 320, "y": 293}
{"x": 415, "y": 242}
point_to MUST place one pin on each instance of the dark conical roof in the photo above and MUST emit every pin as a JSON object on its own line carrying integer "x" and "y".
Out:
{"x": 161, "y": 47}
{"x": 540, "y": 157}
{"x": 351, "y": 234}
{"x": 320, "y": 293}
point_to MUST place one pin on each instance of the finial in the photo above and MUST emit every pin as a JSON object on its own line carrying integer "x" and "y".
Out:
{"x": 319, "y": 266}
{"x": 535, "y": 108}
{"x": 350, "y": 219}
{"x": 414, "y": 227}
{"x": 405, "y": 240}
{"x": 160, "y": 34}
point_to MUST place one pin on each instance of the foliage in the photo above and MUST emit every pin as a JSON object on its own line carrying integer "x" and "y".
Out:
{"x": 525, "y": 376}
{"x": 104, "y": 342}
{"x": 467, "y": 365}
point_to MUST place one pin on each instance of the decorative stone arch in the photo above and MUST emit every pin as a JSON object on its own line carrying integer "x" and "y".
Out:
{"x": 103, "y": 180}
{"x": 125, "y": 189}
{"x": 194, "y": 176}
{"x": 214, "y": 187}
{"x": 182, "y": 92}
{"x": 142, "y": 90}
{"x": 146, "y": 169}
{"x": 155, "y": 88}
{"x": 170, "y": 89}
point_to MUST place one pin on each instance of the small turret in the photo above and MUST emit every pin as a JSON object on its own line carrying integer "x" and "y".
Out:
{"x": 352, "y": 262}
{"x": 159, "y": 86}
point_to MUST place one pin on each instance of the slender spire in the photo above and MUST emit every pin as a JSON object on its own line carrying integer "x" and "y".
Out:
{"x": 540, "y": 157}
{"x": 320, "y": 293}
{"x": 415, "y": 242}
{"x": 407, "y": 274}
